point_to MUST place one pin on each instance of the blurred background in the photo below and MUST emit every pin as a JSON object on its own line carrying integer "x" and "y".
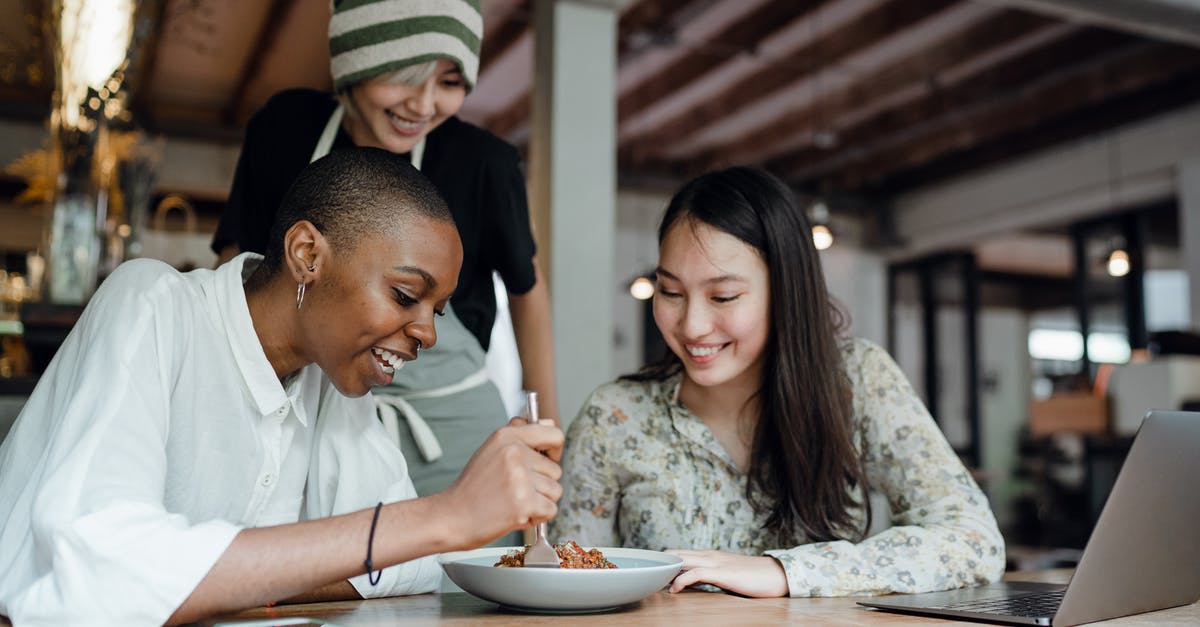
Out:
{"x": 1008, "y": 191}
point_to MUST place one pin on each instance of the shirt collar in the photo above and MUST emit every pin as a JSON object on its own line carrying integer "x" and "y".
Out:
{"x": 268, "y": 393}
{"x": 688, "y": 424}
{"x": 671, "y": 386}
{"x": 298, "y": 390}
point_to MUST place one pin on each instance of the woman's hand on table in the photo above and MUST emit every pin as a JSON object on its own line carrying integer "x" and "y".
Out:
{"x": 511, "y": 482}
{"x": 749, "y": 575}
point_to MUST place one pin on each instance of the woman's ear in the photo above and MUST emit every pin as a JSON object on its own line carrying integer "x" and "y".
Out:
{"x": 304, "y": 250}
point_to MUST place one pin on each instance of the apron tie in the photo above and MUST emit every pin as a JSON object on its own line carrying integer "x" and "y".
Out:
{"x": 391, "y": 406}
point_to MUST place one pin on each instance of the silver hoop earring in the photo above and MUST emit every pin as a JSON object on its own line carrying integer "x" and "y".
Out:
{"x": 300, "y": 288}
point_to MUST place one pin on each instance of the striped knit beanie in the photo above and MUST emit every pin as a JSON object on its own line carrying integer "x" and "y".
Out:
{"x": 368, "y": 38}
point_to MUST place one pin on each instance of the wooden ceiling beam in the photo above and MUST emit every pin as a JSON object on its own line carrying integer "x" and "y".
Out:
{"x": 515, "y": 24}
{"x": 139, "y": 102}
{"x": 646, "y": 16}
{"x": 1166, "y": 20}
{"x": 941, "y": 106}
{"x": 741, "y": 36}
{"x": 1111, "y": 76}
{"x": 236, "y": 109}
{"x": 1180, "y": 91}
{"x": 858, "y": 34}
{"x": 920, "y": 67}
{"x": 655, "y": 18}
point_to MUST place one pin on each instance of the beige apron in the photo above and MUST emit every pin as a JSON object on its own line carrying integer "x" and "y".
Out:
{"x": 448, "y": 384}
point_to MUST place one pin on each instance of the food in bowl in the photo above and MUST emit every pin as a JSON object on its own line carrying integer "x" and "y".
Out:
{"x": 570, "y": 555}
{"x": 640, "y": 573}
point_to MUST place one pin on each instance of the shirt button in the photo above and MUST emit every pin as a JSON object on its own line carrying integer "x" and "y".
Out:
{"x": 268, "y": 479}
{"x": 281, "y": 411}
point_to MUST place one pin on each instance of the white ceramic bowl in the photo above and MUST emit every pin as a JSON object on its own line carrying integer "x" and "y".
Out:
{"x": 638, "y": 574}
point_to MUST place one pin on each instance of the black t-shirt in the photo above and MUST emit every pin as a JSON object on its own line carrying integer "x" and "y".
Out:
{"x": 477, "y": 173}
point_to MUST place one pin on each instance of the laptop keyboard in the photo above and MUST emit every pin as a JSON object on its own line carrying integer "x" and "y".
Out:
{"x": 1031, "y": 605}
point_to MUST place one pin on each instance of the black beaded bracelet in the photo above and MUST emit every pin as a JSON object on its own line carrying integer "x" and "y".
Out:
{"x": 373, "y": 577}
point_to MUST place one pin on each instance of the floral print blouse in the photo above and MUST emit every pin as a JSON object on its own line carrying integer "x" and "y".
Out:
{"x": 641, "y": 470}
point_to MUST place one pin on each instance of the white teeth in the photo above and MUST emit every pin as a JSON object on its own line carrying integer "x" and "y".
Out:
{"x": 404, "y": 123}
{"x": 393, "y": 361}
{"x": 702, "y": 351}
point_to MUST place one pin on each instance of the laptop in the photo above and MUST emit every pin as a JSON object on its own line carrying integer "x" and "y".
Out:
{"x": 1143, "y": 555}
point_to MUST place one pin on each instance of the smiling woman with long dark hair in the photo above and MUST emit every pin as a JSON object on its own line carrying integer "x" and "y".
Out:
{"x": 752, "y": 447}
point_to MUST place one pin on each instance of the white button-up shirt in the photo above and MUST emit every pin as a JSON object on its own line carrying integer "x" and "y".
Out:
{"x": 159, "y": 431}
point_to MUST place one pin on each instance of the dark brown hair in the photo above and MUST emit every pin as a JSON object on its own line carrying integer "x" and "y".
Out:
{"x": 802, "y": 458}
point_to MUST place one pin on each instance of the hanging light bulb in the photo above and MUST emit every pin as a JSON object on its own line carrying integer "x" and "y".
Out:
{"x": 1118, "y": 262}
{"x": 822, "y": 236}
{"x": 641, "y": 288}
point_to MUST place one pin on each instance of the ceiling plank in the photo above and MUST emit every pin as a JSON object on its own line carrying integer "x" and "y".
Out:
{"x": 649, "y": 23}
{"x": 1125, "y": 71}
{"x": 646, "y": 16}
{"x": 1180, "y": 91}
{"x": 139, "y": 103}
{"x": 900, "y": 124}
{"x": 1167, "y": 20}
{"x": 923, "y": 65}
{"x": 516, "y": 22}
{"x": 834, "y": 46}
{"x": 268, "y": 32}
{"x": 742, "y": 35}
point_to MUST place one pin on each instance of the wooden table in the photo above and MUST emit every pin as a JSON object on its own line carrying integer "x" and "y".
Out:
{"x": 693, "y": 609}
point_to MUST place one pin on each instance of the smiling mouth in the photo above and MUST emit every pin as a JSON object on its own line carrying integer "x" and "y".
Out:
{"x": 389, "y": 361}
{"x": 701, "y": 352}
{"x": 404, "y": 125}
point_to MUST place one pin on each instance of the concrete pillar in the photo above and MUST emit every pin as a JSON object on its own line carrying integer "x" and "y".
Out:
{"x": 572, "y": 185}
{"x": 1188, "y": 180}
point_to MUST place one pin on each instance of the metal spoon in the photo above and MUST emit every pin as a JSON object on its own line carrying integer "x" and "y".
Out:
{"x": 539, "y": 554}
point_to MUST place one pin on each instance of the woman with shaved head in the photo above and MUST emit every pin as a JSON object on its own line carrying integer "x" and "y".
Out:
{"x": 401, "y": 72}
{"x": 206, "y": 442}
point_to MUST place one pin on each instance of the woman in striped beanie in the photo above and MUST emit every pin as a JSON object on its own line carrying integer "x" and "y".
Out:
{"x": 401, "y": 70}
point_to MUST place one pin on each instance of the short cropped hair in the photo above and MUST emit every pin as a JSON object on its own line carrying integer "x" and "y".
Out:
{"x": 351, "y": 193}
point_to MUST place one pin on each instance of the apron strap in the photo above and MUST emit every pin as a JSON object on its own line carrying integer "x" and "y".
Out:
{"x": 391, "y": 406}
{"x": 329, "y": 134}
{"x": 427, "y": 442}
{"x": 418, "y": 153}
{"x": 325, "y": 142}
